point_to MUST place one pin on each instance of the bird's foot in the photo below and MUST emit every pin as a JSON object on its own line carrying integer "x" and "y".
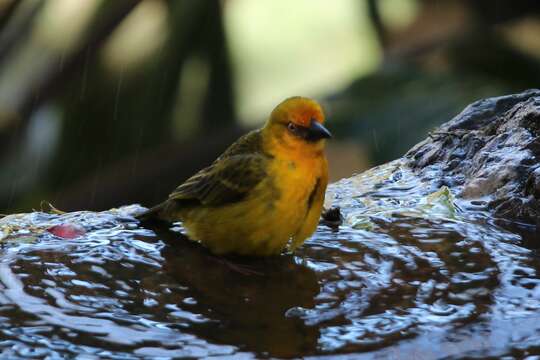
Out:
{"x": 332, "y": 218}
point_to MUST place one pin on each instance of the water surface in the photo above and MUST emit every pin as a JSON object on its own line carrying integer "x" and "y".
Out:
{"x": 413, "y": 272}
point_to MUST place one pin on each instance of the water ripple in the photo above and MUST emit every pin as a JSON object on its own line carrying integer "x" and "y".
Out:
{"x": 411, "y": 268}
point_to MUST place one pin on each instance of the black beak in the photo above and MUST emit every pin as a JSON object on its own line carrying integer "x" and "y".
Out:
{"x": 317, "y": 131}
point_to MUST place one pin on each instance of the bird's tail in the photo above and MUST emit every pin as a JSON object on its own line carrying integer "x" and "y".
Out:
{"x": 154, "y": 214}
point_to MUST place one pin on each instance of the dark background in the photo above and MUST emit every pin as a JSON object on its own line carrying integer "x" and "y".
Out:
{"x": 106, "y": 103}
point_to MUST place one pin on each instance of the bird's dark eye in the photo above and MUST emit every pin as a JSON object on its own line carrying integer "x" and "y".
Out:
{"x": 292, "y": 127}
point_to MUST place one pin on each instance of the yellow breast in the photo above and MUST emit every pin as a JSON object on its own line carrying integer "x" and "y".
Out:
{"x": 295, "y": 182}
{"x": 266, "y": 221}
{"x": 302, "y": 185}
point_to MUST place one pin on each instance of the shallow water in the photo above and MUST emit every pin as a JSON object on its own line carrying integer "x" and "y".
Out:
{"x": 412, "y": 273}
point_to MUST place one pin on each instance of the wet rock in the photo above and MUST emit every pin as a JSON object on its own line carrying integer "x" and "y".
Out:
{"x": 490, "y": 152}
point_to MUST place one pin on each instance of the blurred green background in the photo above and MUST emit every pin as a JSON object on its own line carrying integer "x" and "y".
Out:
{"x": 105, "y": 103}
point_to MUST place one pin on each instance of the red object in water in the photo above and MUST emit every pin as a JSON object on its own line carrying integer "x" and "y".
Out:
{"x": 67, "y": 231}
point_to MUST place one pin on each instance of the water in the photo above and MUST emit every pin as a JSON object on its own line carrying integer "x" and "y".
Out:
{"x": 413, "y": 273}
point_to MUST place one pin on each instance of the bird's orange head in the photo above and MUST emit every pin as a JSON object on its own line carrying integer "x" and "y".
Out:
{"x": 298, "y": 122}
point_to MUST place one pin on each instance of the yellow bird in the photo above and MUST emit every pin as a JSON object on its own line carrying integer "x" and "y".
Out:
{"x": 265, "y": 193}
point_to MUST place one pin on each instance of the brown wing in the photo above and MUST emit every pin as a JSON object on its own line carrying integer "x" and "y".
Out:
{"x": 230, "y": 178}
{"x": 226, "y": 181}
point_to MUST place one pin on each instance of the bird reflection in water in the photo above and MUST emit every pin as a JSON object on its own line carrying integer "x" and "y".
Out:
{"x": 249, "y": 298}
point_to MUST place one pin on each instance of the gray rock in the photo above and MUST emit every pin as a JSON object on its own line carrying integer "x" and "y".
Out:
{"x": 488, "y": 152}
